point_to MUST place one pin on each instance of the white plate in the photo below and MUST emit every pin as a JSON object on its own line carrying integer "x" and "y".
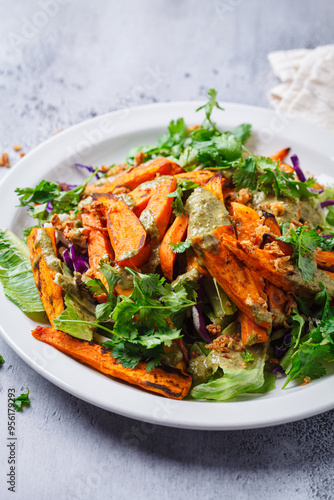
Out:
{"x": 106, "y": 140}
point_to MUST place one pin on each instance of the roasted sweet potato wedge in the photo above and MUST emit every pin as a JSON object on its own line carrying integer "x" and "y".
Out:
{"x": 169, "y": 382}
{"x": 51, "y": 294}
{"x": 176, "y": 232}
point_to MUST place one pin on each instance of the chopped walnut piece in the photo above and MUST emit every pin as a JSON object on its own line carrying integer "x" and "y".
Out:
{"x": 22, "y": 154}
{"x": 214, "y": 329}
{"x": 225, "y": 343}
{"x": 281, "y": 264}
{"x": 278, "y": 208}
{"x": 17, "y": 147}
{"x": 244, "y": 196}
{"x": 4, "y": 160}
{"x": 306, "y": 380}
{"x": 273, "y": 248}
{"x": 139, "y": 158}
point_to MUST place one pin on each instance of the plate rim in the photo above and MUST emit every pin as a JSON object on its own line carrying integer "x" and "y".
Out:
{"x": 168, "y": 419}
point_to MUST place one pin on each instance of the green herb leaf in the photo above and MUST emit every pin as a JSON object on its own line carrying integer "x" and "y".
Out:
{"x": 208, "y": 107}
{"x": 242, "y": 132}
{"x": 180, "y": 246}
{"x": 21, "y": 401}
{"x": 304, "y": 241}
{"x": 248, "y": 356}
{"x": 45, "y": 191}
{"x": 1, "y": 360}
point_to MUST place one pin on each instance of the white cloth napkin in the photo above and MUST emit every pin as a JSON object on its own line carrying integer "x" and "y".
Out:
{"x": 307, "y": 87}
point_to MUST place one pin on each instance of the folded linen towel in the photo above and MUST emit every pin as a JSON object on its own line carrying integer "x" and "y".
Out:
{"x": 307, "y": 87}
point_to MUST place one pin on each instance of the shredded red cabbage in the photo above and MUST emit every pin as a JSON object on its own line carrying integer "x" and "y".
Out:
{"x": 279, "y": 369}
{"x": 298, "y": 170}
{"x": 67, "y": 187}
{"x": 49, "y": 207}
{"x": 75, "y": 260}
{"x": 87, "y": 167}
{"x": 80, "y": 261}
{"x": 197, "y": 313}
{"x": 326, "y": 203}
{"x": 67, "y": 259}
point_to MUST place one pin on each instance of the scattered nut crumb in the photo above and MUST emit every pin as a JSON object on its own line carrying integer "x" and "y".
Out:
{"x": 214, "y": 330}
{"x": 121, "y": 190}
{"x": 194, "y": 354}
{"x": 17, "y": 147}
{"x": 22, "y": 154}
{"x": 306, "y": 380}
{"x": 225, "y": 343}
{"x": 274, "y": 361}
{"x": 4, "y": 160}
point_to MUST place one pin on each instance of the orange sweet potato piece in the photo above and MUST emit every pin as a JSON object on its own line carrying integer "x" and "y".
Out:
{"x": 246, "y": 221}
{"x": 280, "y": 155}
{"x": 193, "y": 263}
{"x": 137, "y": 175}
{"x": 251, "y": 333}
{"x": 98, "y": 241}
{"x": 325, "y": 260}
{"x": 160, "y": 206}
{"x": 140, "y": 197}
{"x": 50, "y": 293}
{"x": 234, "y": 278}
{"x": 259, "y": 261}
{"x": 167, "y": 381}
{"x": 198, "y": 176}
{"x": 176, "y": 232}
{"x": 126, "y": 233}
{"x": 215, "y": 184}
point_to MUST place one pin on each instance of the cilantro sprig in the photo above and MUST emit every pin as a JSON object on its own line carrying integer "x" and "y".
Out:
{"x": 304, "y": 241}
{"x": 182, "y": 190}
{"x": 180, "y": 246}
{"x": 48, "y": 198}
{"x": 139, "y": 326}
{"x": 258, "y": 173}
{"x": 21, "y": 401}
{"x": 1, "y": 360}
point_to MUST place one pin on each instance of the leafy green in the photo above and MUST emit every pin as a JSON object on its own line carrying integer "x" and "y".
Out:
{"x": 258, "y": 173}
{"x": 1, "y": 360}
{"x": 248, "y": 356}
{"x": 21, "y": 401}
{"x": 242, "y": 132}
{"x": 37, "y": 199}
{"x": 327, "y": 244}
{"x": 180, "y": 246}
{"x": 305, "y": 359}
{"x": 75, "y": 321}
{"x": 103, "y": 311}
{"x": 304, "y": 241}
{"x": 181, "y": 191}
{"x": 234, "y": 382}
{"x": 130, "y": 354}
{"x": 16, "y": 274}
{"x": 298, "y": 323}
{"x": 208, "y": 108}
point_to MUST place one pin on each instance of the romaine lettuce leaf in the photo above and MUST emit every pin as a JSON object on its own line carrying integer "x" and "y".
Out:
{"x": 234, "y": 382}
{"x": 16, "y": 274}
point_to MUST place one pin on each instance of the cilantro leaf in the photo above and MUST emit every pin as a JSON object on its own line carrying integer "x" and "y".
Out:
{"x": 327, "y": 244}
{"x": 208, "y": 108}
{"x": 181, "y": 191}
{"x": 1, "y": 360}
{"x": 246, "y": 175}
{"x": 21, "y": 401}
{"x": 242, "y": 132}
{"x": 37, "y": 199}
{"x": 304, "y": 241}
{"x": 248, "y": 356}
{"x": 180, "y": 246}
{"x": 129, "y": 354}
{"x": 323, "y": 299}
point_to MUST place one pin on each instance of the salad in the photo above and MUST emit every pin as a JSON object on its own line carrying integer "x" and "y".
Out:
{"x": 194, "y": 269}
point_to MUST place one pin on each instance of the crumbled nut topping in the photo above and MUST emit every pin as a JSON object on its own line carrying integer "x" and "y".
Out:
{"x": 4, "y": 160}
{"x": 214, "y": 330}
{"x": 17, "y": 147}
{"x": 225, "y": 343}
{"x": 306, "y": 380}
{"x": 244, "y": 196}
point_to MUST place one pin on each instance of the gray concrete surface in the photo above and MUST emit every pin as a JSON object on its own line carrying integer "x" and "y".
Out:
{"x": 61, "y": 62}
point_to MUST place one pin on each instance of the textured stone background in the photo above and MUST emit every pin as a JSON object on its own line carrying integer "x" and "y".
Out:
{"x": 84, "y": 58}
